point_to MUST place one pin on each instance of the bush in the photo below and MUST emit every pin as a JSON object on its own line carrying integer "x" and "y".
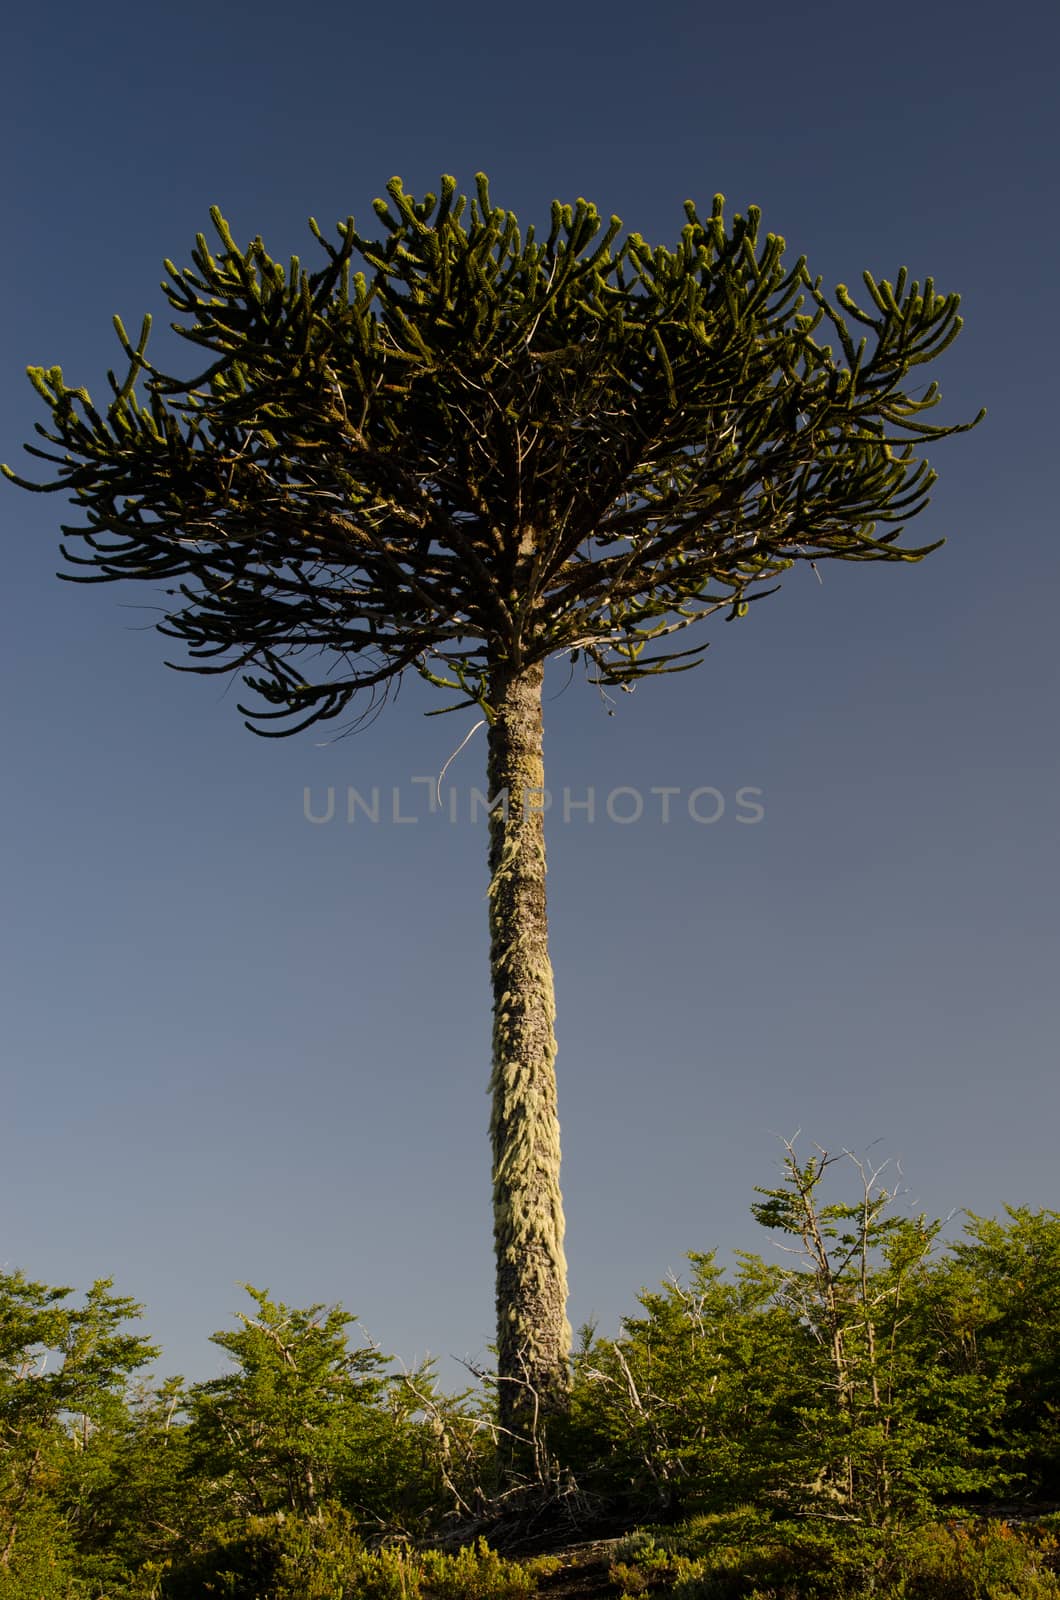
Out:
{"x": 41, "y": 1562}
{"x": 744, "y": 1556}
{"x": 477, "y": 1573}
{"x": 323, "y": 1558}
{"x": 988, "y": 1562}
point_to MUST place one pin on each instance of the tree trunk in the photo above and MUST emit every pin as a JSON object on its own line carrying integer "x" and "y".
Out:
{"x": 533, "y": 1335}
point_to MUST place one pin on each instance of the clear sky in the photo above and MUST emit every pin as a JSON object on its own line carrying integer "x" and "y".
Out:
{"x": 240, "y": 1045}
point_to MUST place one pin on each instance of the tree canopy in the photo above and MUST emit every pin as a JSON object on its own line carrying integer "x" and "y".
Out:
{"x": 485, "y": 446}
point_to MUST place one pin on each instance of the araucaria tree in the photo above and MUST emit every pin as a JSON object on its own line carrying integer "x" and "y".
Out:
{"x": 480, "y": 452}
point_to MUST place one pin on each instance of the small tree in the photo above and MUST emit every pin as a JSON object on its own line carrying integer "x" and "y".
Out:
{"x": 692, "y": 1407}
{"x": 64, "y": 1371}
{"x": 277, "y": 1429}
{"x": 885, "y": 1433}
{"x": 478, "y": 455}
{"x": 126, "y": 1493}
{"x": 993, "y": 1322}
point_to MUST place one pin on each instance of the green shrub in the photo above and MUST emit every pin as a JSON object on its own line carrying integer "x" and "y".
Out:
{"x": 236, "y": 1561}
{"x": 316, "y": 1557}
{"x": 40, "y": 1568}
{"x": 323, "y": 1558}
{"x": 476, "y": 1573}
{"x": 744, "y": 1556}
{"x": 989, "y": 1562}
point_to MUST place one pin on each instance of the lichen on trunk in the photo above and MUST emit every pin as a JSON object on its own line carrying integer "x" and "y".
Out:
{"x": 533, "y": 1334}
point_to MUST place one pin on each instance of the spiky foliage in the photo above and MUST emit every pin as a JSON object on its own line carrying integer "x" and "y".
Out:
{"x": 489, "y": 450}
{"x": 471, "y": 456}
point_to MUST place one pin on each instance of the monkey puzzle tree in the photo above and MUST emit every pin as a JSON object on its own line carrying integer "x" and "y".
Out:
{"x": 479, "y": 453}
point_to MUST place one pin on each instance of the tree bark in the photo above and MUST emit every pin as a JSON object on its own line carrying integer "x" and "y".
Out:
{"x": 533, "y": 1334}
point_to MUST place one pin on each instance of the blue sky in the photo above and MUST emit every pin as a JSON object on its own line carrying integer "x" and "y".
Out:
{"x": 238, "y": 1045}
